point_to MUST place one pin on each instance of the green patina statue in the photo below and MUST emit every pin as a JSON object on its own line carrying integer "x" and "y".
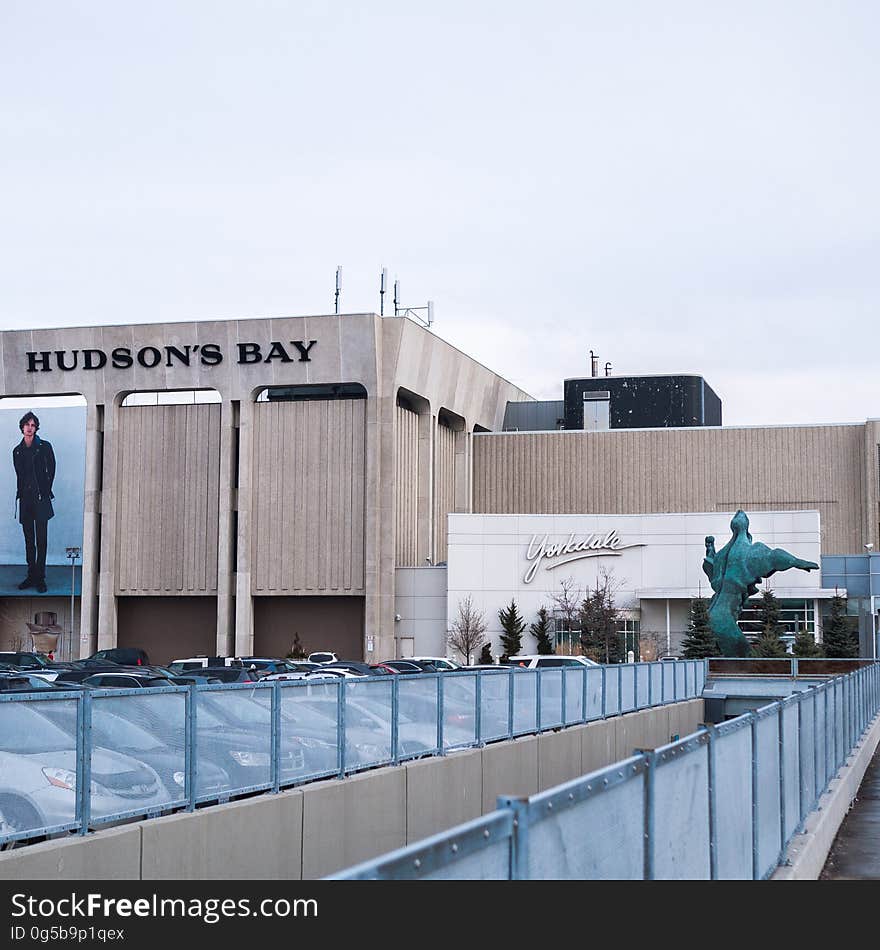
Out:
{"x": 734, "y": 573}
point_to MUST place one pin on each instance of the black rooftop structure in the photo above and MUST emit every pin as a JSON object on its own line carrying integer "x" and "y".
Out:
{"x": 642, "y": 402}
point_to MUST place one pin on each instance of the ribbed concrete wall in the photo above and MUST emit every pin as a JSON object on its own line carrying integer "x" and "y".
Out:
{"x": 168, "y": 499}
{"x": 308, "y": 500}
{"x": 679, "y": 470}
{"x": 406, "y": 463}
{"x": 444, "y": 487}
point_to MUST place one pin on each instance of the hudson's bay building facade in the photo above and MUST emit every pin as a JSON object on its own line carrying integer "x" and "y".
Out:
{"x": 307, "y": 487}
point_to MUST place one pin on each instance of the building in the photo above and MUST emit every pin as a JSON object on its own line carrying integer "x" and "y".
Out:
{"x": 307, "y": 457}
{"x": 249, "y": 482}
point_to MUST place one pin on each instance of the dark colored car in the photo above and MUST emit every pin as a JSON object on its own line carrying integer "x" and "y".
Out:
{"x": 25, "y": 660}
{"x": 125, "y": 679}
{"x": 124, "y": 656}
{"x": 233, "y": 732}
{"x": 365, "y": 669}
{"x": 402, "y": 666}
{"x": 228, "y": 674}
{"x": 76, "y": 673}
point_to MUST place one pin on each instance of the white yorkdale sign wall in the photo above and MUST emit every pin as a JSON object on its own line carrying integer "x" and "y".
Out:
{"x": 655, "y": 561}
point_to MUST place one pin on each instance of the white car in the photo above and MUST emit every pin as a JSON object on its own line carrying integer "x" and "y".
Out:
{"x": 38, "y": 775}
{"x": 323, "y": 657}
{"x": 534, "y": 661}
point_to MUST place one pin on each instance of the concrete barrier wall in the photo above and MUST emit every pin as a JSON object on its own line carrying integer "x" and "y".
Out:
{"x": 317, "y": 829}
{"x": 443, "y": 792}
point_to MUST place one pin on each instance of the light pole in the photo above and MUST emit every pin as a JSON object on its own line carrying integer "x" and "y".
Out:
{"x": 73, "y": 554}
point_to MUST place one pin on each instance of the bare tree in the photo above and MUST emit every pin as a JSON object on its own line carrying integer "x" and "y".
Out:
{"x": 567, "y": 606}
{"x": 467, "y": 629}
{"x": 652, "y": 645}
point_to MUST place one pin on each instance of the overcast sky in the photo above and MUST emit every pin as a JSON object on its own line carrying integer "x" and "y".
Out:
{"x": 680, "y": 186}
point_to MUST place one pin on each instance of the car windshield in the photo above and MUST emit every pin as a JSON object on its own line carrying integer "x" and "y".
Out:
{"x": 26, "y": 732}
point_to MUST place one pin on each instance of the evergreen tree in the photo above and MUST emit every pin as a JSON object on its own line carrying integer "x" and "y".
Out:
{"x": 296, "y": 650}
{"x": 805, "y": 645}
{"x": 540, "y": 630}
{"x": 769, "y": 643}
{"x": 700, "y": 641}
{"x": 486, "y": 654}
{"x": 599, "y": 619}
{"x": 513, "y": 627}
{"x": 838, "y": 637}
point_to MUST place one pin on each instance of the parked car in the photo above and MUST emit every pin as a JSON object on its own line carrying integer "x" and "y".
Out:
{"x": 124, "y": 656}
{"x": 195, "y": 662}
{"x": 335, "y": 673}
{"x": 322, "y": 657}
{"x": 231, "y": 674}
{"x": 355, "y": 666}
{"x": 29, "y": 662}
{"x": 535, "y": 661}
{"x": 18, "y": 681}
{"x": 440, "y": 662}
{"x": 115, "y": 731}
{"x": 125, "y": 680}
{"x": 38, "y": 775}
{"x": 296, "y": 669}
{"x": 401, "y": 666}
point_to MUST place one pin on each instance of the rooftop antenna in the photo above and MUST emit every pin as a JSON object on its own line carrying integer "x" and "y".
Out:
{"x": 607, "y": 369}
{"x": 382, "y": 281}
{"x": 338, "y": 287}
{"x": 396, "y": 295}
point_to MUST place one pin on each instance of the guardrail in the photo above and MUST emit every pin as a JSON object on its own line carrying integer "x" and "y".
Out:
{"x": 722, "y": 803}
{"x": 78, "y": 760}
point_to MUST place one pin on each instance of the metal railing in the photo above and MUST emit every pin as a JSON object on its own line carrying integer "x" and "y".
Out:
{"x": 77, "y": 760}
{"x": 722, "y": 803}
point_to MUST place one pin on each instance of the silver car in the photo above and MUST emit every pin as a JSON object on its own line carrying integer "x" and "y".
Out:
{"x": 38, "y": 775}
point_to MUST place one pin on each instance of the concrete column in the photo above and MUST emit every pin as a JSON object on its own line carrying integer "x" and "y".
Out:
{"x": 244, "y": 607}
{"x": 379, "y": 525}
{"x": 427, "y": 424}
{"x": 225, "y": 530}
{"x": 109, "y": 540}
{"x": 462, "y": 495}
{"x": 871, "y": 526}
{"x": 91, "y": 556}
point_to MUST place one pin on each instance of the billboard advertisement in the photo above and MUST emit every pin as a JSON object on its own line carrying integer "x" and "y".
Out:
{"x": 42, "y": 488}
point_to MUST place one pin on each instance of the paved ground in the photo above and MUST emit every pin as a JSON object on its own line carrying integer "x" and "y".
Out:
{"x": 57, "y": 580}
{"x": 855, "y": 854}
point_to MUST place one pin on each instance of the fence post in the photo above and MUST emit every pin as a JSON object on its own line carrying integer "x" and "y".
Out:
{"x": 753, "y": 725}
{"x": 619, "y": 689}
{"x": 563, "y": 711}
{"x": 439, "y": 734}
{"x": 713, "y": 802}
{"x": 478, "y": 711}
{"x": 538, "y": 699}
{"x": 519, "y": 850}
{"x": 584, "y": 693}
{"x": 781, "y": 741}
{"x": 395, "y": 707}
{"x": 650, "y": 765}
{"x": 604, "y": 691}
{"x": 276, "y": 735}
{"x": 189, "y": 748}
{"x": 510, "y": 700}
{"x": 84, "y": 765}
{"x": 340, "y": 726}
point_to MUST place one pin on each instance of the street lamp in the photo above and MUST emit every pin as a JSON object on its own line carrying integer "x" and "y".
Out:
{"x": 72, "y": 554}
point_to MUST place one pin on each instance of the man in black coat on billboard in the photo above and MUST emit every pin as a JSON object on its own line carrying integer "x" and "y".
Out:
{"x": 34, "y": 463}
